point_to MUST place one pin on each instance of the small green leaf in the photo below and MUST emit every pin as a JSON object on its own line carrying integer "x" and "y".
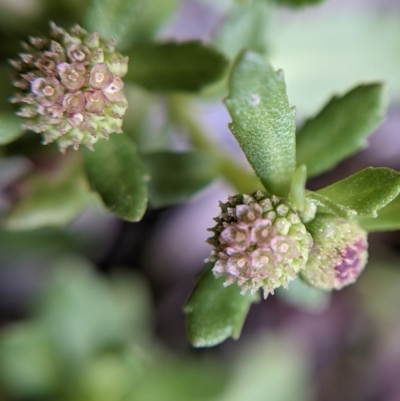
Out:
{"x": 365, "y": 192}
{"x": 214, "y": 312}
{"x": 297, "y": 195}
{"x": 52, "y": 200}
{"x": 388, "y": 218}
{"x": 116, "y": 172}
{"x": 298, "y": 3}
{"x": 262, "y": 121}
{"x": 174, "y": 177}
{"x": 326, "y": 205}
{"x": 172, "y": 67}
{"x": 112, "y": 18}
{"x": 341, "y": 128}
{"x": 245, "y": 27}
{"x": 10, "y": 128}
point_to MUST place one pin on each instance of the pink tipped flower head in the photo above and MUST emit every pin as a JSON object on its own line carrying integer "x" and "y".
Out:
{"x": 339, "y": 253}
{"x": 259, "y": 242}
{"x": 66, "y": 82}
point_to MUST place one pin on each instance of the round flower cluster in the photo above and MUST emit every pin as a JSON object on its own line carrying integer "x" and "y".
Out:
{"x": 70, "y": 87}
{"x": 339, "y": 253}
{"x": 259, "y": 242}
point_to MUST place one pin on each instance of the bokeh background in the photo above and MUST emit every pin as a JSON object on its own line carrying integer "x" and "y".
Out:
{"x": 93, "y": 311}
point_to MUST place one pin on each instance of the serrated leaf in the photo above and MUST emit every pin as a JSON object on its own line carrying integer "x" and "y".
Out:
{"x": 388, "y": 218}
{"x": 112, "y": 18}
{"x": 365, "y": 192}
{"x": 116, "y": 172}
{"x": 174, "y": 177}
{"x": 51, "y": 200}
{"x": 244, "y": 27}
{"x": 214, "y": 312}
{"x": 10, "y": 128}
{"x": 262, "y": 121}
{"x": 341, "y": 128}
{"x": 175, "y": 67}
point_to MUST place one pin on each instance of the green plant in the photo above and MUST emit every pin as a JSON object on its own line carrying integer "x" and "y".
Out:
{"x": 267, "y": 235}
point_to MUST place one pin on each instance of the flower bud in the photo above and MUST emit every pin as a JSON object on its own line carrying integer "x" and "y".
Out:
{"x": 70, "y": 87}
{"x": 339, "y": 253}
{"x": 259, "y": 242}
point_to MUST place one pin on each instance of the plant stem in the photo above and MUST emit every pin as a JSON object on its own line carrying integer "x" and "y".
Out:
{"x": 182, "y": 111}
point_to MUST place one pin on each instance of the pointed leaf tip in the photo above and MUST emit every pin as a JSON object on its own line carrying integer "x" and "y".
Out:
{"x": 366, "y": 192}
{"x": 341, "y": 128}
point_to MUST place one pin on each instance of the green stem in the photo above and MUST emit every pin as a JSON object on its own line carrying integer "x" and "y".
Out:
{"x": 182, "y": 111}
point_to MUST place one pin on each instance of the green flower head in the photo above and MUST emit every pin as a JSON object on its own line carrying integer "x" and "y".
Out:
{"x": 339, "y": 253}
{"x": 70, "y": 87}
{"x": 259, "y": 242}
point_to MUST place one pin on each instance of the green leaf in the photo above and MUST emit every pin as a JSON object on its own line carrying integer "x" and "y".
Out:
{"x": 10, "y": 128}
{"x": 297, "y": 195}
{"x": 180, "y": 380}
{"x": 262, "y": 121}
{"x": 388, "y": 218}
{"x": 84, "y": 313}
{"x": 116, "y": 172}
{"x": 174, "y": 177}
{"x": 51, "y": 200}
{"x": 365, "y": 192}
{"x": 152, "y": 17}
{"x": 111, "y": 18}
{"x": 171, "y": 66}
{"x": 326, "y": 205}
{"x": 245, "y": 27}
{"x": 341, "y": 128}
{"x": 28, "y": 363}
{"x": 339, "y": 55}
{"x": 214, "y": 312}
{"x": 298, "y": 3}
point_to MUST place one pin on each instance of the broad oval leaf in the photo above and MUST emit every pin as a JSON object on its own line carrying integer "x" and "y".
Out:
{"x": 262, "y": 121}
{"x": 388, "y": 218}
{"x": 341, "y": 128}
{"x": 365, "y": 192}
{"x": 175, "y": 67}
{"x": 51, "y": 201}
{"x": 10, "y": 128}
{"x": 116, "y": 172}
{"x": 214, "y": 312}
{"x": 174, "y": 177}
